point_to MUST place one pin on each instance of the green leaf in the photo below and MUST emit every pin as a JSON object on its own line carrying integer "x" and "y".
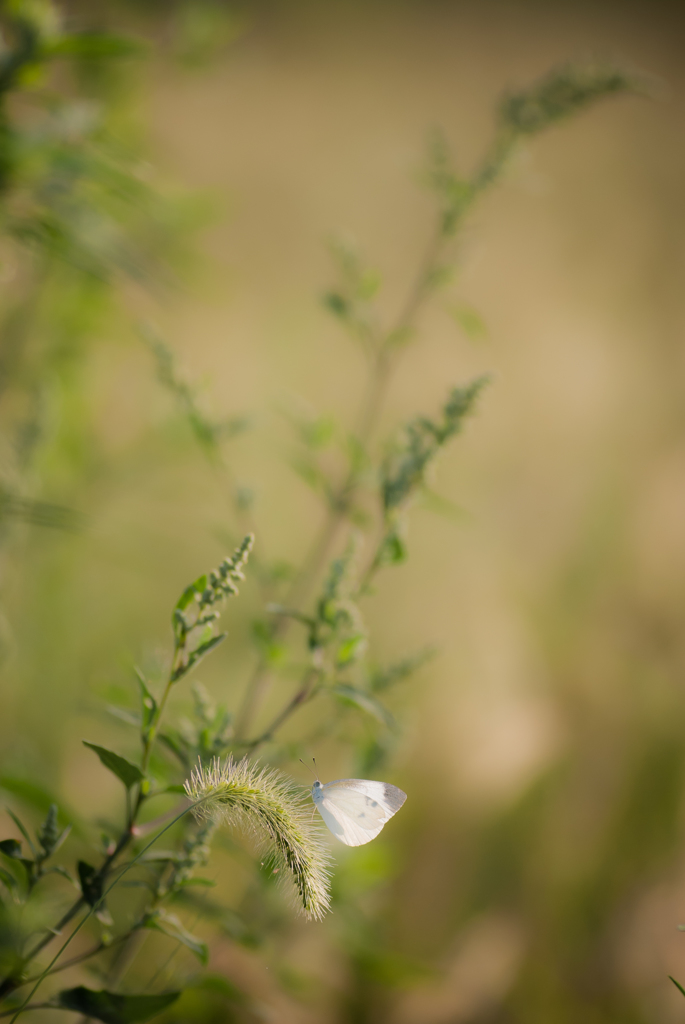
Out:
{"x": 29, "y": 867}
{"x": 677, "y": 985}
{"x": 177, "y": 745}
{"x": 92, "y": 46}
{"x": 188, "y": 595}
{"x": 170, "y": 925}
{"x": 11, "y": 848}
{"x": 470, "y": 321}
{"x": 366, "y": 701}
{"x": 9, "y": 881}
{"x": 563, "y": 92}
{"x": 113, "y": 1008}
{"x": 91, "y": 883}
{"x": 393, "y": 550}
{"x": 350, "y": 649}
{"x": 337, "y": 304}
{"x": 48, "y": 833}
{"x": 57, "y": 869}
{"x": 129, "y": 773}
{"x": 23, "y": 831}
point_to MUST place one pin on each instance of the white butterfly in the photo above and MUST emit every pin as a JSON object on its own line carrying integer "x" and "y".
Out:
{"x": 355, "y": 810}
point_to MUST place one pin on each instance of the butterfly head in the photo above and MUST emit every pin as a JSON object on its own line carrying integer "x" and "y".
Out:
{"x": 317, "y": 791}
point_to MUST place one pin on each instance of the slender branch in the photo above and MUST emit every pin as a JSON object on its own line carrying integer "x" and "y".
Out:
{"x": 34, "y": 1006}
{"x": 94, "y": 908}
{"x": 305, "y": 693}
{"x": 384, "y": 362}
{"x": 93, "y": 951}
{"x": 12, "y": 982}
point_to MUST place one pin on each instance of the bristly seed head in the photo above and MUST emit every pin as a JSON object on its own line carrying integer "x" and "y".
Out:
{"x": 238, "y": 793}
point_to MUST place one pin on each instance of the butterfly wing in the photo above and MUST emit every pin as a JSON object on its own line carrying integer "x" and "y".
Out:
{"x": 355, "y": 810}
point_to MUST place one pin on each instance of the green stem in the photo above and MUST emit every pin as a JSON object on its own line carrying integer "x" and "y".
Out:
{"x": 11, "y": 983}
{"x": 306, "y": 691}
{"x": 95, "y": 907}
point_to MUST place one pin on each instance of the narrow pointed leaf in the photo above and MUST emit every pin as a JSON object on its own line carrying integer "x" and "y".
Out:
{"x": 129, "y": 773}
{"x": 677, "y": 984}
{"x": 23, "y": 831}
{"x": 113, "y": 1008}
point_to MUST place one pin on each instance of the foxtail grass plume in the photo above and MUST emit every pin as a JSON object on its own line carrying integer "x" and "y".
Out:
{"x": 266, "y": 802}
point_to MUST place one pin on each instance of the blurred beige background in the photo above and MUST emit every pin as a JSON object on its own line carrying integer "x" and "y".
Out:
{"x": 557, "y": 595}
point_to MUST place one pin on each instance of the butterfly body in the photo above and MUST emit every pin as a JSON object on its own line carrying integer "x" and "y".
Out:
{"x": 355, "y": 810}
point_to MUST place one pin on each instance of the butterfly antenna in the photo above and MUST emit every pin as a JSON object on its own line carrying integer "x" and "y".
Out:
{"x": 309, "y": 769}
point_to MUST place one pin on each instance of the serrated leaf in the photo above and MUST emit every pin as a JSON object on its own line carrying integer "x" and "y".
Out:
{"x": 170, "y": 925}
{"x": 128, "y": 773}
{"x": 113, "y": 1008}
{"x": 366, "y": 701}
{"x": 91, "y": 883}
{"x": 11, "y": 848}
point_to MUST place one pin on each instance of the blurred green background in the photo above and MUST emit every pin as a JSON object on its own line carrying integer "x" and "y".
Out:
{"x": 536, "y": 874}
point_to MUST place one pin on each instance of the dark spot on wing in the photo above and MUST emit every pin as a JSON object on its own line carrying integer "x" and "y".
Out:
{"x": 394, "y": 797}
